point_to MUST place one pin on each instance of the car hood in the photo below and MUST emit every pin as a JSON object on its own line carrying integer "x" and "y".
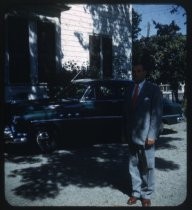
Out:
{"x": 46, "y": 109}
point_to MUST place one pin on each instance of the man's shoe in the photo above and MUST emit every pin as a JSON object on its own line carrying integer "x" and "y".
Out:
{"x": 132, "y": 200}
{"x": 145, "y": 202}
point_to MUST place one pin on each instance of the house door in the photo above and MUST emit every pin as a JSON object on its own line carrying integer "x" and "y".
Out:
{"x": 101, "y": 55}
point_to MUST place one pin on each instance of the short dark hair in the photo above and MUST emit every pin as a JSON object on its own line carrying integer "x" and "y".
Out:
{"x": 143, "y": 60}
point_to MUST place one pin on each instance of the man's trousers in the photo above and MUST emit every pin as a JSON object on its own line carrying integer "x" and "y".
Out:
{"x": 142, "y": 176}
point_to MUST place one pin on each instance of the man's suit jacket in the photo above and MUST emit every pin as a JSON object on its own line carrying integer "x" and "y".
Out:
{"x": 144, "y": 121}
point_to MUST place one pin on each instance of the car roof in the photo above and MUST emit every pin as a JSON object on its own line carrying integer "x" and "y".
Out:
{"x": 103, "y": 81}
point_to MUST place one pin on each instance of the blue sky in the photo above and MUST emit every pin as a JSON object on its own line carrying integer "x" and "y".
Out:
{"x": 161, "y": 14}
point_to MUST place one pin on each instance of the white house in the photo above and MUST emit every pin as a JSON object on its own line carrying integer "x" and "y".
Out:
{"x": 98, "y": 35}
{"x": 42, "y": 39}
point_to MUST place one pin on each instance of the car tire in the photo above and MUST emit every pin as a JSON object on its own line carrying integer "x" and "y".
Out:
{"x": 46, "y": 140}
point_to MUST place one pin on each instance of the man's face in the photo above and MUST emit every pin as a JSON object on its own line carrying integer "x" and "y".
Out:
{"x": 138, "y": 73}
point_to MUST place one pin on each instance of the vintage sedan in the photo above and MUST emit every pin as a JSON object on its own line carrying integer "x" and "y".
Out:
{"x": 172, "y": 112}
{"x": 90, "y": 111}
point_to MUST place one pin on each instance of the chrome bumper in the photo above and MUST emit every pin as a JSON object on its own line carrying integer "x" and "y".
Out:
{"x": 172, "y": 119}
{"x": 10, "y": 138}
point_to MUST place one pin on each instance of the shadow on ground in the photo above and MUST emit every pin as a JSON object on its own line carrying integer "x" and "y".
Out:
{"x": 91, "y": 166}
{"x": 165, "y": 165}
{"x": 165, "y": 142}
{"x": 167, "y": 131}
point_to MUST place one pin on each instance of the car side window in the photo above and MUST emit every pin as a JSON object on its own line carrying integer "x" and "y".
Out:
{"x": 106, "y": 92}
{"x": 89, "y": 94}
{"x": 121, "y": 92}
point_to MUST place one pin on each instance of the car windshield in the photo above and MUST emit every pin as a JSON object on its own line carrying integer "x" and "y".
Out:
{"x": 75, "y": 91}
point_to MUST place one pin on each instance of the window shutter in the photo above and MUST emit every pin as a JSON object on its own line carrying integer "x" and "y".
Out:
{"x": 107, "y": 56}
{"x": 18, "y": 48}
{"x": 94, "y": 47}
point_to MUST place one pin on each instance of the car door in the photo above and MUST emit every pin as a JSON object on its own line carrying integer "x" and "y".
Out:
{"x": 90, "y": 121}
{"x": 109, "y": 109}
{"x": 79, "y": 113}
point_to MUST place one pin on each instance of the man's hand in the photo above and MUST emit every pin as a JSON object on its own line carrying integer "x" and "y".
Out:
{"x": 150, "y": 142}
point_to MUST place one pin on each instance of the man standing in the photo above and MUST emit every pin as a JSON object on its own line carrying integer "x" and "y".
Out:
{"x": 143, "y": 111}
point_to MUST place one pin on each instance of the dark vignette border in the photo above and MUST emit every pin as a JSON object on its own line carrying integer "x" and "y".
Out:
{"x": 186, "y": 4}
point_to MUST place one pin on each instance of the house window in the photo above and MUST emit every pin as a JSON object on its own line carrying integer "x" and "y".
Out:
{"x": 18, "y": 49}
{"x": 46, "y": 50}
{"x": 31, "y": 48}
{"x": 101, "y": 54}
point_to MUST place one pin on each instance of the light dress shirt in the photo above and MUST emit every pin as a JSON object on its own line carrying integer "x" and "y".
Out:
{"x": 140, "y": 87}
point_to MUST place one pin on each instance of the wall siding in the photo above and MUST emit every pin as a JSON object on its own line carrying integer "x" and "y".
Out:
{"x": 75, "y": 24}
{"x": 83, "y": 20}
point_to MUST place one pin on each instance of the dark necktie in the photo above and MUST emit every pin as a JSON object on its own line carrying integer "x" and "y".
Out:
{"x": 135, "y": 95}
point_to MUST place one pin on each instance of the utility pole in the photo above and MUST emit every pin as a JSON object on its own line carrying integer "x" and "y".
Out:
{"x": 148, "y": 29}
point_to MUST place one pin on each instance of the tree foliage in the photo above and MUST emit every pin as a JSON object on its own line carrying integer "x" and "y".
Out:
{"x": 176, "y": 9}
{"x": 166, "y": 55}
{"x": 165, "y": 29}
{"x": 136, "y": 19}
{"x": 60, "y": 84}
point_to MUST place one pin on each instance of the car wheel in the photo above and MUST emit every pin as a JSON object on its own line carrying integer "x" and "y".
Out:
{"x": 46, "y": 141}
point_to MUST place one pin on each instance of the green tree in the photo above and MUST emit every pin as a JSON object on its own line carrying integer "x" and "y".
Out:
{"x": 136, "y": 19}
{"x": 167, "y": 30}
{"x": 171, "y": 55}
{"x": 166, "y": 54}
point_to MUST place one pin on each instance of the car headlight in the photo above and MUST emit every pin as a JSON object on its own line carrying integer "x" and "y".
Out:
{"x": 8, "y": 133}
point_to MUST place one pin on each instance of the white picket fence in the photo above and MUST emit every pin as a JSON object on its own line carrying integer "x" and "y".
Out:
{"x": 167, "y": 92}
